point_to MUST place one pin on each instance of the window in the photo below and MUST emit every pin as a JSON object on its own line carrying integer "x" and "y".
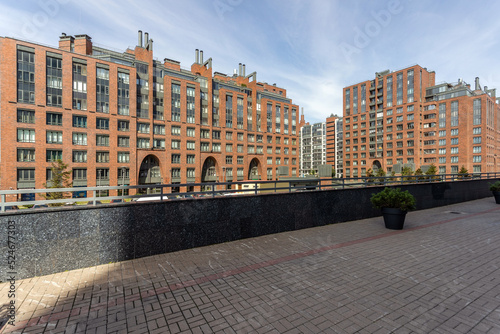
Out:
{"x": 175, "y": 130}
{"x": 79, "y": 138}
{"x": 54, "y": 155}
{"x": 442, "y": 160}
{"x": 143, "y": 128}
{"x": 215, "y": 134}
{"x": 205, "y": 147}
{"x": 79, "y": 156}
{"x": 102, "y": 123}
{"x": 240, "y": 136}
{"x": 176, "y": 158}
{"x": 123, "y": 93}
{"x": 80, "y": 174}
{"x": 442, "y": 142}
{"x": 442, "y": 133}
{"x": 454, "y": 160}
{"x": 25, "y": 116}
{"x": 143, "y": 143}
{"x": 53, "y": 119}
{"x": 102, "y": 174}
{"x": 176, "y": 144}
{"x": 190, "y": 145}
{"x": 239, "y": 160}
{"x": 25, "y": 154}
{"x": 476, "y": 169}
{"x": 476, "y": 158}
{"x": 123, "y": 142}
{"x": 229, "y": 111}
{"x": 158, "y": 129}
{"x": 176, "y": 102}
{"x": 123, "y": 157}
{"x": 476, "y": 120}
{"x": 229, "y": 147}
{"x": 25, "y": 175}
{"x": 25, "y": 135}
{"x": 476, "y": 149}
{"x": 476, "y": 131}
{"x": 190, "y": 132}
{"x": 476, "y": 140}
{"x": 79, "y": 86}
{"x": 102, "y": 90}
{"x": 454, "y": 150}
{"x": 79, "y": 121}
{"x": 454, "y": 113}
{"x": 216, "y": 147}
{"x": 454, "y": 132}
{"x": 123, "y": 125}
{"x": 190, "y": 159}
{"x": 442, "y": 151}
{"x": 229, "y": 135}
{"x": 239, "y": 149}
{"x": 25, "y": 77}
{"x": 190, "y": 108}
{"x": 102, "y": 156}
{"x": 190, "y": 172}
{"x": 229, "y": 159}
{"x": 159, "y": 144}
{"x": 54, "y": 137}
{"x": 102, "y": 140}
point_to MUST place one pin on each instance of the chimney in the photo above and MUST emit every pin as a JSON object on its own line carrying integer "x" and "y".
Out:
{"x": 146, "y": 37}
{"x": 197, "y": 56}
{"x": 244, "y": 71}
{"x": 66, "y": 43}
{"x": 83, "y": 44}
{"x": 139, "y": 38}
{"x": 486, "y": 89}
{"x": 477, "y": 85}
{"x": 240, "y": 73}
{"x": 201, "y": 56}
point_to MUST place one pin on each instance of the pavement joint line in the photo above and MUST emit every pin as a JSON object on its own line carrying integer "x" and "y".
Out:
{"x": 181, "y": 285}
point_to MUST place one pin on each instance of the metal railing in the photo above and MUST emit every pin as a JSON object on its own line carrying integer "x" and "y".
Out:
{"x": 163, "y": 192}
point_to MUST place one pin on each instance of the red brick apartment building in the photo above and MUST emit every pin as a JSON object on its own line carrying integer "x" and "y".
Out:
{"x": 403, "y": 118}
{"x": 334, "y": 144}
{"x": 126, "y": 118}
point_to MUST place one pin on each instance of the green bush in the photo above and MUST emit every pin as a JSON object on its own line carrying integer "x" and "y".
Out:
{"x": 495, "y": 186}
{"x": 393, "y": 198}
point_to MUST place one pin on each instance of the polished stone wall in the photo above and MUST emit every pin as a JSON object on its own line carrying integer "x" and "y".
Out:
{"x": 58, "y": 239}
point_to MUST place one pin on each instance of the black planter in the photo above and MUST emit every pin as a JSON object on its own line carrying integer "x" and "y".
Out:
{"x": 394, "y": 218}
{"x": 497, "y": 196}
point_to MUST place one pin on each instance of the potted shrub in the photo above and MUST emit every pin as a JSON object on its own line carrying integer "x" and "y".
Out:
{"x": 495, "y": 189}
{"x": 394, "y": 204}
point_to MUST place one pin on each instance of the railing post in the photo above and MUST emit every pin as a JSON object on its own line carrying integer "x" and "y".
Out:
{"x": 3, "y": 202}
{"x": 161, "y": 194}
{"x": 93, "y": 197}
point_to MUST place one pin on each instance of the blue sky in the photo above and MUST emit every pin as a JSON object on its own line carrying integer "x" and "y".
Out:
{"x": 312, "y": 48}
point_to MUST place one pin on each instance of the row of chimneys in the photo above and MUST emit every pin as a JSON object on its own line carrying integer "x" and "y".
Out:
{"x": 149, "y": 42}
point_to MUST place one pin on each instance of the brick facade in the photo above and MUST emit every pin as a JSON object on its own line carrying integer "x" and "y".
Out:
{"x": 403, "y": 118}
{"x": 265, "y": 150}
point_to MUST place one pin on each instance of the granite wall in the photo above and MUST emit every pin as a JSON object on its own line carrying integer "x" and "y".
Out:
{"x": 58, "y": 239}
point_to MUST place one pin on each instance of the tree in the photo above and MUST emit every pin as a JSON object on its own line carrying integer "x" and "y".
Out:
{"x": 333, "y": 172}
{"x": 432, "y": 171}
{"x": 60, "y": 179}
{"x": 406, "y": 172}
{"x": 369, "y": 174}
{"x": 463, "y": 173}
{"x": 419, "y": 174}
{"x": 381, "y": 175}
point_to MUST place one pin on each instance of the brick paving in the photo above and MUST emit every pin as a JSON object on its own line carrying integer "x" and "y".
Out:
{"x": 441, "y": 274}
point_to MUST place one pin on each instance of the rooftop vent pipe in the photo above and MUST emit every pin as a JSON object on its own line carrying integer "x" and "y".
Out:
{"x": 139, "y": 38}
{"x": 197, "y": 56}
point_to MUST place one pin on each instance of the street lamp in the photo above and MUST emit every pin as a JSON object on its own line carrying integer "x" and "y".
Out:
{"x": 124, "y": 169}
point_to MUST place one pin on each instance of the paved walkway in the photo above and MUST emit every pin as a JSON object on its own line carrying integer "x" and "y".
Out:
{"x": 441, "y": 274}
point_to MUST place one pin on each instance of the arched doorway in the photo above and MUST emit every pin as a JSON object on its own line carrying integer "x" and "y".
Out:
{"x": 376, "y": 166}
{"x": 209, "y": 172}
{"x": 254, "y": 170}
{"x": 149, "y": 172}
